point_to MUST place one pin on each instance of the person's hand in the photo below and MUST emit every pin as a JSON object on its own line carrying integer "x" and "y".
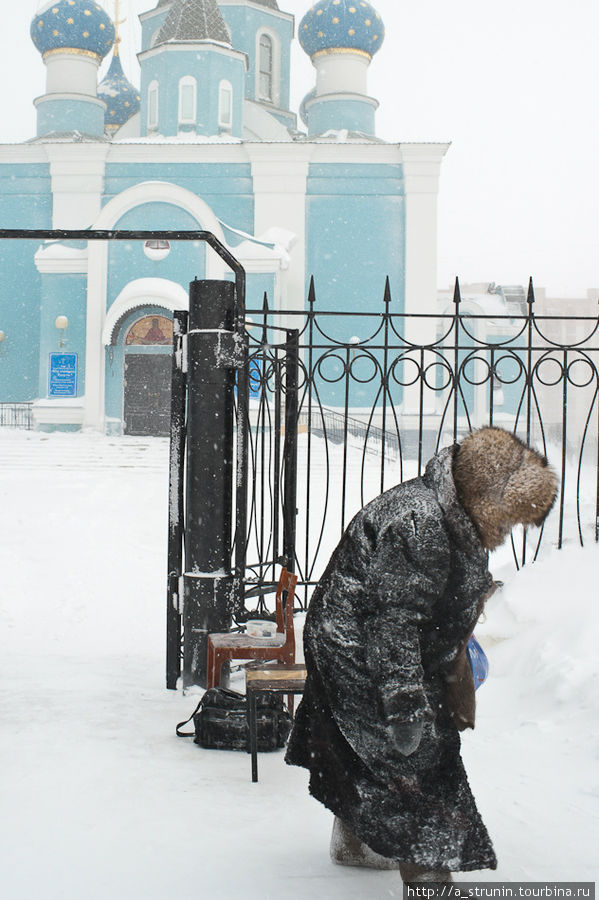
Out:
{"x": 406, "y": 736}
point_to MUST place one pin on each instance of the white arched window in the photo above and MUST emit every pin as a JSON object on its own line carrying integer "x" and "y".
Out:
{"x": 265, "y": 68}
{"x": 225, "y": 105}
{"x": 187, "y": 100}
{"x": 153, "y": 106}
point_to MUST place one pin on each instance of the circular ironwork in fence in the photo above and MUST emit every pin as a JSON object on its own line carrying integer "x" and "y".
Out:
{"x": 588, "y": 365}
{"x": 543, "y": 366}
{"x": 332, "y": 368}
{"x": 361, "y": 360}
{"x": 439, "y": 366}
{"x": 399, "y": 363}
{"x": 500, "y": 376}
{"x": 475, "y": 361}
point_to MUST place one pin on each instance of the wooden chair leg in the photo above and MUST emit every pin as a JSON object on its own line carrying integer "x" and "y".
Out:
{"x": 290, "y": 703}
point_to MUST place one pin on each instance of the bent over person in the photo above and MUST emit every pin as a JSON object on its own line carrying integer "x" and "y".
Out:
{"x": 389, "y": 686}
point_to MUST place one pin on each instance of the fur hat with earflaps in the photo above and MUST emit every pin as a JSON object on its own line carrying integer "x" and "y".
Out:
{"x": 501, "y": 482}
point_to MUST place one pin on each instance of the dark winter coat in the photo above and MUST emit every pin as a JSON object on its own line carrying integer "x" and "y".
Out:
{"x": 385, "y": 626}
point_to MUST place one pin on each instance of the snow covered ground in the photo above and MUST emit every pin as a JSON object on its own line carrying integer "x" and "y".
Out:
{"x": 101, "y": 800}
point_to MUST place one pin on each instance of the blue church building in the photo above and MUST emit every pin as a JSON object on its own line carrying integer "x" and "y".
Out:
{"x": 208, "y": 141}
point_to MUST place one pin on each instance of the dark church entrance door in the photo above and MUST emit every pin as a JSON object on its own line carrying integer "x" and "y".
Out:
{"x": 147, "y": 377}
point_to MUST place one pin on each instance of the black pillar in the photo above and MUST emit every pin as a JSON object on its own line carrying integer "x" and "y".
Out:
{"x": 213, "y": 354}
{"x": 175, "y": 505}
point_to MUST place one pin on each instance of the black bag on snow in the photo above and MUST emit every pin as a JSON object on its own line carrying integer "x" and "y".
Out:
{"x": 220, "y": 721}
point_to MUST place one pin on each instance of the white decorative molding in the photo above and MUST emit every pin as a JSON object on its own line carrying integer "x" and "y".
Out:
{"x": 193, "y": 47}
{"x": 421, "y": 165}
{"x": 77, "y": 173}
{"x": 143, "y": 292}
{"x": 280, "y": 183}
{"x": 53, "y": 258}
{"x": 59, "y": 412}
{"x": 115, "y": 209}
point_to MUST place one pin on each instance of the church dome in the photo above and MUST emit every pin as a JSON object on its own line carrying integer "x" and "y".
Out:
{"x": 73, "y": 25}
{"x": 194, "y": 20}
{"x": 121, "y": 97}
{"x": 341, "y": 25}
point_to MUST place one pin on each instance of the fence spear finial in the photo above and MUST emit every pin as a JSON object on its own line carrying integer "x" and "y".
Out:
{"x": 387, "y": 297}
{"x": 264, "y": 319}
{"x": 530, "y": 299}
{"x": 311, "y": 292}
{"x": 457, "y": 299}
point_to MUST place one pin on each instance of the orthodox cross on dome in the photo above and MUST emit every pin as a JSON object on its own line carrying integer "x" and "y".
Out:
{"x": 117, "y": 22}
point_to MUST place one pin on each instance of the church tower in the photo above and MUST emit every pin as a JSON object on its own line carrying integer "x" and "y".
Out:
{"x": 192, "y": 80}
{"x": 341, "y": 37}
{"x": 73, "y": 37}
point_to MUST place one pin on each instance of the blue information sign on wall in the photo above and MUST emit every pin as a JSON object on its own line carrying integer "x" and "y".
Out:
{"x": 62, "y": 381}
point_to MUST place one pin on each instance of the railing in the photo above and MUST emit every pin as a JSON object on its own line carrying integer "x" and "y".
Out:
{"x": 380, "y": 392}
{"x": 16, "y": 415}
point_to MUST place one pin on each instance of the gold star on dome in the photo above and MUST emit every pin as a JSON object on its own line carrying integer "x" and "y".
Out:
{"x": 335, "y": 21}
{"x": 40, "y": 24}
{"x": 102, "y": 26}
{"x": 321, "y": 34}
{"x": 367, "y": 22}
{"x": 55, "y": 32}
{"x": 352, "y": 9}
{"x": 55, "y": 10}
{"x": 87, "y": 12}
{"x": 86, "y": 34}
{"x": 351, "y": 31}
{"x": 70, "y": 21}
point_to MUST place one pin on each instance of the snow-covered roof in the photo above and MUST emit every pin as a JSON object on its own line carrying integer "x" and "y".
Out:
{"x": 194, "y": 20}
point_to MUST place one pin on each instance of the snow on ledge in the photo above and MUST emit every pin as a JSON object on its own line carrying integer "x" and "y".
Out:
{"x": 144, "y": 292}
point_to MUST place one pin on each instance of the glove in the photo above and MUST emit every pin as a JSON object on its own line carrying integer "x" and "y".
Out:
{"x": 406, "y": 736}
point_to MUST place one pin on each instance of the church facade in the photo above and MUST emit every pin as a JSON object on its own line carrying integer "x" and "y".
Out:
{"x": 209, "y": 142}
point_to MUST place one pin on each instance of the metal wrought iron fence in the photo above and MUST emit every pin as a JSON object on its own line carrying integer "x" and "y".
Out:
{"x": 16, "y": 415}
{"x": 379, "y": 392}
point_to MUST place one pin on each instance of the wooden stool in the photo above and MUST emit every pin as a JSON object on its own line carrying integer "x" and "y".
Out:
{"x": 274, "y": 679}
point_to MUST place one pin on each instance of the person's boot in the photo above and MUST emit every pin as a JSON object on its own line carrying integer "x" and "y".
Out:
{"x": 413, "y": 874}
{"x": 348, "y": 850}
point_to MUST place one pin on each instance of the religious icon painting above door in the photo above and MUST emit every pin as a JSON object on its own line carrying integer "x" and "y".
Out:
{"x": 147, "y": 376}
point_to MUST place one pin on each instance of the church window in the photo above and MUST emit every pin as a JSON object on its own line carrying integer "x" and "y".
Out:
{"x": 265, "y": 81}
{"x": 225, "y": 105}
{"x": 187, "y": 101}
{"x": 153, "y": 106}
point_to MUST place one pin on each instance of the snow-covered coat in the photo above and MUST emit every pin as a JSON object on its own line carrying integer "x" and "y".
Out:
{"x": 384, "y": 631}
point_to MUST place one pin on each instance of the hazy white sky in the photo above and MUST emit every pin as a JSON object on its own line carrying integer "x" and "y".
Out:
{"x": 513, "y": 85}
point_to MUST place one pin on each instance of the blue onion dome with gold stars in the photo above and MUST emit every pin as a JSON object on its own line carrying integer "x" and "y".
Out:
{"x": 122, "y": 99}
{"x": 73, "y": 25}
{"x": 341, "y": 25}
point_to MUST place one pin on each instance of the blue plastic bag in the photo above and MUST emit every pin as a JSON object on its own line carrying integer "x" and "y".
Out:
{"x": 478, "y": 662}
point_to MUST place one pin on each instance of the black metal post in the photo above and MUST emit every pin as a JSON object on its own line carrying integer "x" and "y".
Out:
{"x": 290, "y": 448}
{"x": 214, "y": 351}
{"x": 175, "y": 504}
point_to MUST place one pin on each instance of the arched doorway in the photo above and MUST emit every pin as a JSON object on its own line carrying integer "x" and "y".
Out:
{"x": 147, "y": 376}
